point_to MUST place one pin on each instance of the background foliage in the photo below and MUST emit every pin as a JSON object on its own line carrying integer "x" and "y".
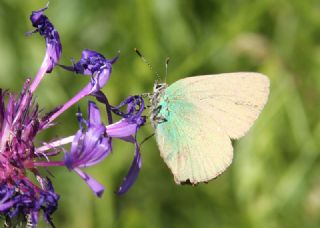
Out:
{"x": 274, "y": 180}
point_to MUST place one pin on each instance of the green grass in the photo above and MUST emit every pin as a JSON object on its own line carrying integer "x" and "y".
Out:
{"x": 274, "y": 179}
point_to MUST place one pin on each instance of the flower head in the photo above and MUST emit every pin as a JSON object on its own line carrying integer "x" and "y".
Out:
{"x": 21, "y": 121}
{"x": 53, "y": 44}
{"x": 92, "y": 62}
{"x": 95, "y": 65}
{"x": 19, "y": 124}
{"x": 92, "y": 143}
{"x": 23, "y": 197}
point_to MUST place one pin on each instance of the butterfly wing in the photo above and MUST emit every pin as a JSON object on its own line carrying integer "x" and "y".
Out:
{"x": 200, "y": 115}
{"x": 233, "y": 100}
{"x": 192, "y": 145}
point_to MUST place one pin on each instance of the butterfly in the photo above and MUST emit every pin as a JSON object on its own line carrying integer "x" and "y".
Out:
{"x": 196, "y": 118}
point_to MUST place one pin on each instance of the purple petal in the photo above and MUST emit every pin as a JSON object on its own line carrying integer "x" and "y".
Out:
{"x": 91, "y": 54}
{"x": 135, "y": 107}
{"x": 47, "y": 30}
{"x": 99, "y": 152}
{"x": 132, "y": 118}
{"x": 100, "y": 80}
{"x": 91, "y": 62}
{"x": 94, "y": 115}
{"x": 37, "y": 16}
{"x": 35, "y": 218}
{"x": 96, "y": 187}
{"x": 6, "y": 206}
{"x": 132, "y": 175}
{"x": 88, "y": 148}
{"x": 121, "y": 129}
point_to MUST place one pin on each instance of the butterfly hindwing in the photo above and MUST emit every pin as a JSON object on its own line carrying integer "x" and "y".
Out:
{"x": 194, "y": 147}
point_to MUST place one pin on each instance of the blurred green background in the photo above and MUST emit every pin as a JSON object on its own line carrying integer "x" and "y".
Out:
{"x": 274, "y": 179}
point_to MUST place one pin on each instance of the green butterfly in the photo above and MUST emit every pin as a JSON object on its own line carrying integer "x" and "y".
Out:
{"x": 195, "y": 119}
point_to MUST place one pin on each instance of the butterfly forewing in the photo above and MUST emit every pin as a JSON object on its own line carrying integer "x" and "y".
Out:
{"x": 199, "y": 116}
{"x": 233, "y": 100}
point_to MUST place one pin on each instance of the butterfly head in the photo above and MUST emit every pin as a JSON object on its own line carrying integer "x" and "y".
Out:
{"x": 159, "y": 87}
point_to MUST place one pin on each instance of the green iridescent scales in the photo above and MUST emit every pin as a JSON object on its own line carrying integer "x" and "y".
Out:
{"x": 170, "y": 111}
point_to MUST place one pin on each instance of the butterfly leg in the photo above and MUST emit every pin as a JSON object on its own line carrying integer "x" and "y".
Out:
{"x": 160, "y": 119}
{"x": 156, "y": 117}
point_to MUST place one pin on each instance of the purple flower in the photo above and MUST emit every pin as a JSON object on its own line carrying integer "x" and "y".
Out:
{"x": 126, "y": 129}
{"x": 95, "y": 65}
{"x": 21, "y": 121}
{"x": 23, "y": 197}
{"x": 53, "y": 44}
{"x": 92, "y": 143}
{"x": 19, "y": 124}
{"x": 89, "y": 146}
{"x": 47, "y": 30}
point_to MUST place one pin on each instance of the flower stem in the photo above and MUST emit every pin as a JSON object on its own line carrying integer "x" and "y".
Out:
{"x": 84, "y": 92}
{"x": 47, "y": 164}
{"x": 55, "y": 144}
{"x": 42, "y": 71}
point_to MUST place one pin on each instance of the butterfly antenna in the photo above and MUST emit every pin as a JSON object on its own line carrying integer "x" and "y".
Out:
{"x": 148, "y": 64}
{"x": 167, "y": 64}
